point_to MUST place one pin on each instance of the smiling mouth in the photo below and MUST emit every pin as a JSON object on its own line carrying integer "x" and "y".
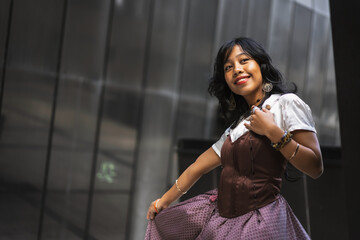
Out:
{"x": 241, "y": 80}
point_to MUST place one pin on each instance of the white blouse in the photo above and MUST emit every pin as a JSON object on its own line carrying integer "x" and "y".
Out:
{"x": 290, "y": 114}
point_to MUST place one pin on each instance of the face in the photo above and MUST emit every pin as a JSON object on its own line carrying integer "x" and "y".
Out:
{"x": 243, "y": 75}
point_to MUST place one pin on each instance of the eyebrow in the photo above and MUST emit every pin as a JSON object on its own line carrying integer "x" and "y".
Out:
{"x": 243, "y": 53}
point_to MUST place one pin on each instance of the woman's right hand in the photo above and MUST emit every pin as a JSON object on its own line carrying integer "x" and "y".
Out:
{"x": 154, "y": 208}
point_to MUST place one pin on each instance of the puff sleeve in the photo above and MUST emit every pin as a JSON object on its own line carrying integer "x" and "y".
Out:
{"x": 218, "y": 145}
{"x": 296, "y": 114}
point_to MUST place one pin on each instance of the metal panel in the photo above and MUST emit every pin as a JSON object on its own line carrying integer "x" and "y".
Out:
{"x": 76, "y": 115}
{"x": 166, "y": 47}
{"x": 305, "y": 3}
{"x": 128, "y": 39}
{"x": 258, "y": 20}
{"x": 317, "y": 62}
{"x": 280, "y": 27}
{"x": 5, "y": 13}
{"x": 329, "y": 118}
{"x": 26, "y": 110}
{"x": 154, "y": 152}
{"x": 298, "y": 52}
{"x": 232, "y": 17}
{"x": 322, "y": 7}
{"x": 121, "y": 118}
{"x": 159, "y": 108}
{"x": 195, "y": 72}
{"x": 6, "y": 9}
{"x": 115, "y": 164}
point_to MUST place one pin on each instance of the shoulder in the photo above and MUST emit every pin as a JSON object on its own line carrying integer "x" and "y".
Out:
{"x": 296, "y": 114}
{"x": 289, "y": 98}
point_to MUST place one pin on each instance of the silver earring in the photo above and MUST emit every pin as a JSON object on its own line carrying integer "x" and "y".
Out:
{"x": 232, "y": 102}
{"x": 267, "y": 87}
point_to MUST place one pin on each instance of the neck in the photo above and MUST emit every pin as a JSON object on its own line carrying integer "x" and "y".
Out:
{"x": 257, "y": 101}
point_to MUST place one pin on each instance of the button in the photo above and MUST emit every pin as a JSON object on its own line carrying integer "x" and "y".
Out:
{"x": 253, "y": 172}
{"x": 255, "y": 196}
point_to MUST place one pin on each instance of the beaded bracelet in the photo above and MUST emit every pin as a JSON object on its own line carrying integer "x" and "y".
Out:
{"x": 284, "y": 140}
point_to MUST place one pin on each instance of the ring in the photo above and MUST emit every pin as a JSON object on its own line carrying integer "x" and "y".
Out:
{"x": 253, "y": 110}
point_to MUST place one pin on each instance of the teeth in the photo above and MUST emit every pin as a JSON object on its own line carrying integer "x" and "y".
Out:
{"x": 241, "y": 80}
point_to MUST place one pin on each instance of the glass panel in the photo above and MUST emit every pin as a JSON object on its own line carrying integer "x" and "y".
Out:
{"x": 258, "y": 20}
{"x": 120, "y": 120}
{"x": 77, "y": 111}
{"x": 298, "y": 53}
{"x": 26, "y": 113}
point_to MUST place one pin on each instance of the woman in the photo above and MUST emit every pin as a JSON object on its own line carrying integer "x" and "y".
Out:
{"x": 270, "y": 127}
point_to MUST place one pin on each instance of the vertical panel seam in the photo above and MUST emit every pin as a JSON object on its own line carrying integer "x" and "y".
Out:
{"x": 307, "y": 210}
{"x": 290, "y": 40}
{"x": 148, "y": 38}
{"x": 52, "y": 119}
{"x": 7, "y": 42}
{"x": 311, "y": 34}
{"x": 98, "y": 123}
{"x": 183, "y": 44}
{"x": 208, "y": 107}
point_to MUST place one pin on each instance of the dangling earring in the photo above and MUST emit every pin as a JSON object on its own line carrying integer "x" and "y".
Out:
{"x": 232, "y": 102}
{"x": 267, "y": 87}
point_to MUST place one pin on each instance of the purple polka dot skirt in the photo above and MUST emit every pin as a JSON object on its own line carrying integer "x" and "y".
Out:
{"x": 198, "y": 218}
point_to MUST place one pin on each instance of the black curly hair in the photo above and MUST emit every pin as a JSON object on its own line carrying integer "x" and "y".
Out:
{"x": 219, "y": 88}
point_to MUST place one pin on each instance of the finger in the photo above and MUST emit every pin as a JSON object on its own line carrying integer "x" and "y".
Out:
{"x": 254, "y": 108}
{"x": 148, "y": 215}
{"x": 265, "y": 110}
{"x": 248, "y": 126}
{"x": 152, "y": 215}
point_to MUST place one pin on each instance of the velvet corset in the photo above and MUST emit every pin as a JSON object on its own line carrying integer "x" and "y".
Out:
{"x": 251, "y": 174}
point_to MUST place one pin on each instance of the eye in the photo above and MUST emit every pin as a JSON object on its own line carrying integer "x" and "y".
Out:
{"x": 227, "y": 68}
{"x": 244, "y": 60}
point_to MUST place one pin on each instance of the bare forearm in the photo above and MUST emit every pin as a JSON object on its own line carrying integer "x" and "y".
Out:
{"x": 203, "y": 164}
{"x": 307, "y": 159}
{"x": 186, "y": 180}
{"x": 207, "y": 161}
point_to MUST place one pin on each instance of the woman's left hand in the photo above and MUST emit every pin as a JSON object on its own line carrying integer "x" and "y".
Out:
{"x": 261, "y": 121}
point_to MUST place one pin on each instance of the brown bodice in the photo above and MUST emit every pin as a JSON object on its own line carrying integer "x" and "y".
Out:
{"x": 251, "y": 174}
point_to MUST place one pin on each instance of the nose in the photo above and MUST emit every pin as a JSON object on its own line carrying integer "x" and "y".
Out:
{"x": 237, "y": 69}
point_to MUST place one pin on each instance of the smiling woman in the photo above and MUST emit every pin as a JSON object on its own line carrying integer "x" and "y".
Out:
{"x": 253, "y": 152}
{"x": 243, "y": 75}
